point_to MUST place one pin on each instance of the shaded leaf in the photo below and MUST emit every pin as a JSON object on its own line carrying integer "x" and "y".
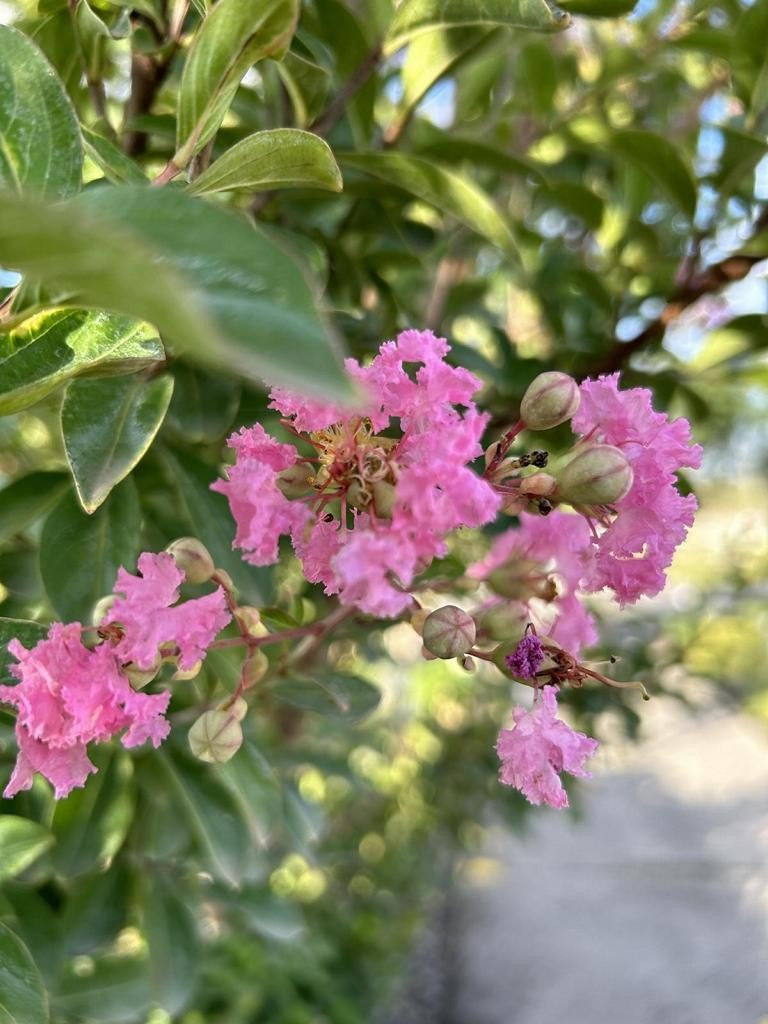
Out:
{"x": 171, "y": 932}
{"x": 28, "y": 499}
{"x": 599, "y": 8}
{"x": 117, "y": 167}
{"x": 203, "y": 405}
{"x": 114, "y": 991}
{"x": 21, "y": 843}
{"x": 660, "y": 160}
{"x": 282, "y": 158}
{"x": 22, "y": 996}
{"x": 336, "y": 695}
{"x": 107, "y": 426}
{"x": 28, "y": 633}
{"x": 40, "y": 148}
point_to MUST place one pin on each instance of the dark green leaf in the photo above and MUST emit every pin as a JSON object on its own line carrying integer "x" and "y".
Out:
{"x": 114, "y": 990}
{"x": 28, "y": 499}
{"x": 282, "y": 158}
{"x": 171, "y": 933}
{"x": 22, "y": 996}
{"x": 80, "y": 554}
{"x": 335, "y": 695}
{"x": 95, "y": 910}
{"x": 48, "y": 349}
{"x": 40, "y": 147}
{"x": 449, "y": 192}
{"x": 107, "y": 425}
{"x": 235, "y": 35}
{"x": 28, "y": 633}
{"x": 256, "y": 789}
{"x": 203, "y": 405}
{"x": 599, "y": 8}
{"x": 658, "y": 158}
{"x": 117, "y": 167}
{"x": 21, "y": 843}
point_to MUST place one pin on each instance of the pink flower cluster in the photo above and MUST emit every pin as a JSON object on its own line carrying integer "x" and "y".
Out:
{"x": 69, "y": 695}
{"x": 388, "y": 483}
{"x": 538, "y": 748}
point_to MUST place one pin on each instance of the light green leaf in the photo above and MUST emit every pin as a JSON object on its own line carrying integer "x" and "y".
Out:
{"x": 256, "y": 789}
{"x": 28, "y": 633}
{"x": 108, "y": 425}
{"x": 80, "y": 554}
{"x": 28, "y": 499}
{"x": 117, "y": 167}
{"x": 334, "y": 695}
{"x": 282, "y": 158}
{"x": 458, "y": 149}
{"x": 48, "y": 349}
{"x": 416, "y": 16}
{"x": 171, "y": 932}
{"x": 449, "y": 192}
{"x": 434, "y": 54}
{"x": 91, "y": 823}
{"x": 662, "y": 161}
{"x": 21, "y": 843}
{"x": 22, "y": 996}
{"x": 40, "y": 148}
{"x": 235, "y": 35}
{"x": 210, "y": 282}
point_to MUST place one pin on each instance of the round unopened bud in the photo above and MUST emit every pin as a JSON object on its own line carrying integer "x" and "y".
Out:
{"x": 215, "y": 737}
{"x": 294, "y": 481}
{"x": 101, "y": 609}
{"x": 542, "y": 485}
{"x": 238, "y": 708}
{"x": 551, "y": 398}
{"x": 188, "y": 673}
{"x": 193, "y": 558}
{"x": 599, "y": 475}
{"x": 255, "y": 668}
{"x": 449, "y": 632}
{"x": 383, "y": 498}
{"x": 249, "y": 619}
{"x": 139, "y": 677}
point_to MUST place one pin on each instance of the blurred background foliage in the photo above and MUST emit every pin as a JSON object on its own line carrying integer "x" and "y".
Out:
{"x": 590, "y": 200}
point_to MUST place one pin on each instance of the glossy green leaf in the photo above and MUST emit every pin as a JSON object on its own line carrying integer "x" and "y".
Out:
{"x": 115, "y": 990}
{"x": 599, "y": 8}
{"x": 108, "y": 425}
{"x": 416, "y": 16}
{"x": 28, "y": 499}
{"x": 256, "y": 789}
{"x": 203, "y": 405}
{"x": 40, "y": 149}
{"x": 282, "y": 158}
{"x": 211, "y": 283}
{"x": 95, "y": 910}
{"x": 658, "y": 158}
{"x": 22, "y": 996}
{"x": 80, "y": 554}
{"x": 117, "y": 167}
{"x": 171, "y": 933}
{"x": 434, "y": 54}
{"x": 48, "y": 349}
{"x": 91, "y": 824}
{"x": 211, "y": 522}
{"x": 235, "y": 35}
{"x": 21, "y": 843}
{"x": 449, "y": 192}
{"x": 335, "y": 695}
{"x": 28, "y": 633}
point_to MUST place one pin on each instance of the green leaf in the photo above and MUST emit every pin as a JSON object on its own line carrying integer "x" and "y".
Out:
{"x": 203, "y": 405}
{"x": 660, "y": 160}
{"x": 108, "y": 425}
{"x": 449, "y": 192}
{"x": 21, "y": 843}
{"x": 80, "y": 554}
{"x": 256, "y": 790}
{"x": 741, "y": 155}
{"x": 599, "y": 8}
{"x": 28, "y": 499}
{"x": 91, "y": 824}
{"x": 95, "y": 910}
{"x": 28, "y": 633}
{"x": 336, "y": 695}
{"x": 48, "y": 349}
{"x": 282, "y": 158}
{"x": 434, "y": 54}
{"x": 171, "y": 932}
{"x": 235, "y": 35}
{"x": 212, "y": 523}
{"x": 117, "y": 167}
{"x": 114, "y": 991}
{"x": 22, "y": 996}
{"x": 40, "y": 148}
{"x": 212, "y": 284}
{"x": 416, "y": 16}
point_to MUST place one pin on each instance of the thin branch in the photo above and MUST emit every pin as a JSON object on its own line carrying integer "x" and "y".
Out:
{"x": 335, "y": 109}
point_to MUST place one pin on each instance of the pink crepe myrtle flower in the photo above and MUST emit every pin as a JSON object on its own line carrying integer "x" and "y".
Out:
{"x": 68, "y": 696}
{"x": 556, "y": 548}
{"x": 387, "y": 482}
{"x": 538, "y": 748}
{"x": 632, "y": 552}
{"x": 149, "y": 618}
{"x": 527, "y": 657}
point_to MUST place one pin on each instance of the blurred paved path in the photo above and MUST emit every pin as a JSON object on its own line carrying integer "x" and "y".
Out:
{"x": 652, "y": 910}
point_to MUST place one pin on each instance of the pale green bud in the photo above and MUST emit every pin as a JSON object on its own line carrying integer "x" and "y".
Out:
{"x": 249, "y": 619}
{"x": 598, "y": 475}
{"x": 193, "y": 558}
{"x": 551, "y": 399}
{"x": 216, "y": 736}
{"x": 449, "y": 632}
{"x": 294, "y": 480}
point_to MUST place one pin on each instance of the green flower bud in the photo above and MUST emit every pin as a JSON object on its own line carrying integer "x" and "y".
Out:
{"x": 238, "y": 708}
{"x": 188, "y": 673}
{"x": 193, "y": 558}
{"x": 551, "y": 398}
{"x": 249, "y": 619}
{"x": 139, "y": 677}
{"x": 216, "y": 736}
{"x": 449, "y": 632}
{"x": 294, "y": 481}
{"x": 255, "y": 667}
{"x": 101, "y": 609}
{"x": 598, "y": 475}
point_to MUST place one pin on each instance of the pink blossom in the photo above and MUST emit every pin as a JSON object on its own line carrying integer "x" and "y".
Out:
{"x": 526, "y": 658}
{"x": 389, "y": 483}
{"x": 68, "y": 696}
{"x": 653, "y": 518}
{"x": 538, "y": 748}
{"x": 149, "y": 621}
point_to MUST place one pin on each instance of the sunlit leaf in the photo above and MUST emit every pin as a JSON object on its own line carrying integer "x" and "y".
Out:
{"x": 22, "y": 996}
{"x": 21, "y": 843}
